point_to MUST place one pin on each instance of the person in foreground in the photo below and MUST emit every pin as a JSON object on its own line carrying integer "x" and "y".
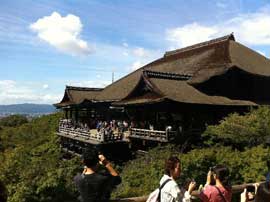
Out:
{"x": 94, "y": 186}
{"x": 262, "y": 193}
{"x": 217, "y": 188}
{"x": 171, "y": 191}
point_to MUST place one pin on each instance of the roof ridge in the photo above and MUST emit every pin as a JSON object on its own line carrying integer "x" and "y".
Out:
{"x": 199, "y": 45}
{"x": 166, "y": 75}
{"x": 83, "y": 88}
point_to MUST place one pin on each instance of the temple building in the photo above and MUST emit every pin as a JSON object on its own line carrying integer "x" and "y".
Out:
{"x": 171, "y": 99}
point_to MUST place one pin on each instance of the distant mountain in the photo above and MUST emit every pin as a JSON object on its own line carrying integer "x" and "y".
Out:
{"x": 27, "y": 109}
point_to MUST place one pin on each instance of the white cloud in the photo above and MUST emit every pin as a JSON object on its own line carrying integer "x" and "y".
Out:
{"x": 45, "y": 86}
{"x": 12, "y": 92}
{"x": 250, "y": 29}
{"x": 62, "y": 33}
{"x": 190, "y": 34}
{"x": 125, "y": 44}
{"x": 140, "y": 52}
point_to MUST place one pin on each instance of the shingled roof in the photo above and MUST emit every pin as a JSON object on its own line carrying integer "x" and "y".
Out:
{"x": 174, "y": 87}
{"x": 76, "y": 95}
{"x": 200, "y": 61}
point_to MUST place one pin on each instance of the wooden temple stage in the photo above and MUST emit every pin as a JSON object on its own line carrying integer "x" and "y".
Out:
{"x": 170, "y": 100}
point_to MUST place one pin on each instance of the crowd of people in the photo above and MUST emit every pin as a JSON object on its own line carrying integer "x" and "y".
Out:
{"x": 114, "y": 125}
{"x": 96, "y": 187}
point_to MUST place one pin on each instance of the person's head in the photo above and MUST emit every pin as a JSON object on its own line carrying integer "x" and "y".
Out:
{"x": 90, "y": 158}
{"x": 173, "y": 167}
{"x": 222, "y": 174}
{"x": 263, "y": 193}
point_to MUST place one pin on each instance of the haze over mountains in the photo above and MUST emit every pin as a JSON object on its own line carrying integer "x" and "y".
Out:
{"x": 28, "y": 109}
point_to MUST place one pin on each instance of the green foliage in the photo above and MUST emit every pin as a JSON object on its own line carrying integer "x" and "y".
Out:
{"x": 241, "y": 131}
{"x": 13, "y": 121}
{"x": 32, "y": 168}
{"x": 142, "y": 175}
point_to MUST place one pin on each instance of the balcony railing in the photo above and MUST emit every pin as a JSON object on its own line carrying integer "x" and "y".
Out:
{"x": 154, "y": 135}
{"x": 66, "y": 129}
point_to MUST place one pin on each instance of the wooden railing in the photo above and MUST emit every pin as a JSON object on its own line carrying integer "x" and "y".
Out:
{"x": 236, "y": 189}
{"x": 82, "y": 134}
{"x": 154, "y": 135}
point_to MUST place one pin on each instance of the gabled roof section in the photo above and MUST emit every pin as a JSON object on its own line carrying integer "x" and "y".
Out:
{"x": 248, "y": 60}
{"x": 181, "y": 91}
{"x": 174, "y": 87}
{"x": 186, "y": 61}
{"x": 76, "y": 95}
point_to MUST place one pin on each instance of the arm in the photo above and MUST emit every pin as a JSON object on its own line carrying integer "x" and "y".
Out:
{"x": 187, "y": 194}
{"x": 107, "y": 165}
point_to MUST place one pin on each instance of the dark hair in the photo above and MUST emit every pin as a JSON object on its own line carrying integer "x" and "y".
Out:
{"x": 171, "y": 164}
{"x": 223, "y": 174}
{"x": 263, "y": 193}
{"x": 90, "y": 157}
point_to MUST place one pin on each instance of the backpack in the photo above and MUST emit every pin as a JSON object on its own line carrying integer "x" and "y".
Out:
{"x": 155, "y": 195}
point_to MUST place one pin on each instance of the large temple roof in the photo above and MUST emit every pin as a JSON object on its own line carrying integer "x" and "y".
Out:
{"x": 174, "y": 87}
{"x": 199, "y": 62}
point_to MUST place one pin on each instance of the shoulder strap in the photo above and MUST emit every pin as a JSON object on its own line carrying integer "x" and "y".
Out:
{"x": 161, "y": 186}
{"x": 223, "y": 197}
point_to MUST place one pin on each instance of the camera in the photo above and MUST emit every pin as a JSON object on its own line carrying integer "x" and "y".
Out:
{"x": 250, "y": 188}
{"x": 212, "y": 181}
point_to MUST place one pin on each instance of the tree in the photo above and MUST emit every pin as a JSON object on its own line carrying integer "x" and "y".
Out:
{"x": 13, "y": 121}
{"x": 240, "y": 131}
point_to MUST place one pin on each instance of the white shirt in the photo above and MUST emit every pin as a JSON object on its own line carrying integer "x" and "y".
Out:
{"x": 171, "y": 191}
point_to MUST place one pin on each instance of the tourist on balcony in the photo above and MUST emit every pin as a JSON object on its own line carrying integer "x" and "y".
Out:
{"x": 217, "y": 188}
{"x": 125, "y": 124}
{"x": 171, "y": 191}
{"x": 94, "y": 186}
{"x": 99, "y": 125}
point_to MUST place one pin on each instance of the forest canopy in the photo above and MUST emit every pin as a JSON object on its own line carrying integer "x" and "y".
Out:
{"x": 33, "y": 169}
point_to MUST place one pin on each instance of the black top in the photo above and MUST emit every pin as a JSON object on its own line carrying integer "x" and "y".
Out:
{"x": 95, "y": 187}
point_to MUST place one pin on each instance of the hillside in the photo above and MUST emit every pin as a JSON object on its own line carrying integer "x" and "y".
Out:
{"x": 27, "y": 109}
{"x": 32, "y": 166}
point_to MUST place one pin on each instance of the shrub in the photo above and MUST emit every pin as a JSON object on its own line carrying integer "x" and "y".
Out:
{"x": 241, "y": 131}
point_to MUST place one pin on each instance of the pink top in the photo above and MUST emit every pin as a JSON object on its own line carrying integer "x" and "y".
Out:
{"x": 211, "y": 194}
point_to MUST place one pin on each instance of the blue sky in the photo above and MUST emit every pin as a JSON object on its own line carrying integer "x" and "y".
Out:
{"x": 45, "y": 45}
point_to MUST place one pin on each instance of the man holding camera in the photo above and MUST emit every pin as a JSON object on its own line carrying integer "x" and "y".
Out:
{"x": 94, "y": 186}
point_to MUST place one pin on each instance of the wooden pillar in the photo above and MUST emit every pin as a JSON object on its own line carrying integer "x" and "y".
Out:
{"x": 76, "y": 115}
{"x": 66, "y": 113}
{"x": 70, "y": 113}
